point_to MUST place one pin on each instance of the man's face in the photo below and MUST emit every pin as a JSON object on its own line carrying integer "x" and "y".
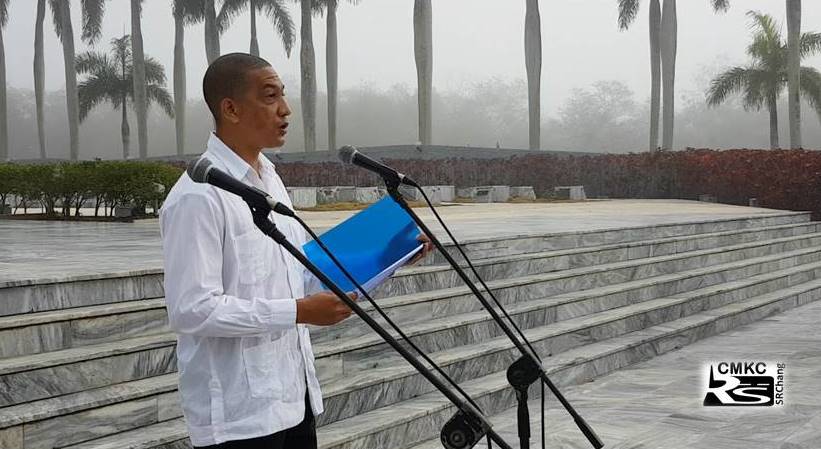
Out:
{"x": 263, "y": 112}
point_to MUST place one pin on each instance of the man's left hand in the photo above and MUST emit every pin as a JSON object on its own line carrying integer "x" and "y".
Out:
{"x": 426, "y": 249}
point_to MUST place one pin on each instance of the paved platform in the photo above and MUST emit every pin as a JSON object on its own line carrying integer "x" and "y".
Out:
{"x": 38, "y": 249}
{"x": 658, "y": 403}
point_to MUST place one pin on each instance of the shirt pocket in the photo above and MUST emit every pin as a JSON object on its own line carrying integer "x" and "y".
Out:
{"x": 271, "y": 371}
{"x": 254, "y": 256}
{"x": 261, "y": 368}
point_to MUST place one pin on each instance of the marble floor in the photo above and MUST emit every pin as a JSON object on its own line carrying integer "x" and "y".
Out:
{"x": 658, "y": 404}
{"x": 37, "y": 249}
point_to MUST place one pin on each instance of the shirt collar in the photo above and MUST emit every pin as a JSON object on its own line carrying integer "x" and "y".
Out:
{"x": 235, "y": 165}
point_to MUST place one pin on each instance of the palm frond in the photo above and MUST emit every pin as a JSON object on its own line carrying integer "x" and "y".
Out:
{"x": 811, "y": 88}
{"x": 766, "y": 24}
{"x": 93, "y": 12}
{"x": 92, "y": 62}
{"x": 283, "y": 24}
{"x": 628, "y": 10}
{"x": 56, "y": 15}
{"x": 810, "y": 44}
{"x": 192, "y": 11}
{"x": 4, "y": 13}
{"x": 154, "y": 71}
{"x": 97, "y": 89}
{"x": 720, "y": 5}
{"x": 730, "y": 82}
{"x": 158, "y": 94}
{"x": 230, "y": 10}
{"x": 760, "y": 85}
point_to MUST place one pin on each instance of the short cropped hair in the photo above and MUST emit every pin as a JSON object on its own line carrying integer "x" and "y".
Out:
{"x": 226, "y": 78}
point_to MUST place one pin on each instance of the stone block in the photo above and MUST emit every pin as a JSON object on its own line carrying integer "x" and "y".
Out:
{"x": 336, "y": 194}
{"x": 123, "y": 211}
{"x": 570, "y": 192}
{"x": 486, "y": 194}
{"x": 525, "y": 192}
{"x": 708, "y": 198}
{"x": 436, "y": 194}
{"x": 366, "y": 195}
{"x": 302, "y": 197}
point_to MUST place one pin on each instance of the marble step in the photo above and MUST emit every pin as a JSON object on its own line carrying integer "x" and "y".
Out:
{"x": 54, "y": 330}
{"x": 393, "y": 380}
{"x": 45, "y": 375}
{"x": 354, "y": 395}
{"x": 407, "y": 423}
{"x": 417, "y": 419}
{"x": 491, "y": 247}
{"x": 29, "y": 378}
{"x": 34, "y": 333}
{"x": 93, "y": 414}
{"x": 433, "y": 277}
{"x": 347, "y": 357}
{"x": 424, "y": 305}
{"x": 39, "y": 295}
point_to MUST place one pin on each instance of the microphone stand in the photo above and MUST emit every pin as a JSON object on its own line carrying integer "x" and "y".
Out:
{"x": 525, "y": 370}
{"x": 468, "y": 425}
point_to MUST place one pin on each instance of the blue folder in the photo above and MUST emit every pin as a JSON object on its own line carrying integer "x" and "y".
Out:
{"x": 367, "y": 244}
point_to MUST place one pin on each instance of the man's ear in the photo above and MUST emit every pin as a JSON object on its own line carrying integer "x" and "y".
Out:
{"x": 230, "y": 110}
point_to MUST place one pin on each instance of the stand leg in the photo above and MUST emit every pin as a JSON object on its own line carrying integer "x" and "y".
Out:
{"x": 523, "y": 417}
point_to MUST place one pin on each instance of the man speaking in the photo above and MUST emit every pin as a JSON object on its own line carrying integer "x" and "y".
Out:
{"x": 237, "y": 301}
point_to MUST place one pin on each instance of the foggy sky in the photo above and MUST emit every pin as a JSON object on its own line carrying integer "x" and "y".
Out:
{"x": 473, "y": 40}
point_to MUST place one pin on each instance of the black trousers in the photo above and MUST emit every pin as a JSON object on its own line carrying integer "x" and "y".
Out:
{"x": 302, "y": 436}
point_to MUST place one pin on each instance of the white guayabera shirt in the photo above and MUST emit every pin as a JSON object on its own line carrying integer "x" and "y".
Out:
{"x": 231, "y": 297}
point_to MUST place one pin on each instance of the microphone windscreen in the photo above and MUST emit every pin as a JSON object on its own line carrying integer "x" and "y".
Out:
{"x": 198, "y": 169}
{"x": 346, "y": 154}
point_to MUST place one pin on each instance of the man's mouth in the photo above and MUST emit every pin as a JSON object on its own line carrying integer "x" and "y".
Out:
{"x": 283, "y": 128}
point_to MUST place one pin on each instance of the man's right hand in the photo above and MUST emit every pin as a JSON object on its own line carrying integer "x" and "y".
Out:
{"x": 322, "y": 309}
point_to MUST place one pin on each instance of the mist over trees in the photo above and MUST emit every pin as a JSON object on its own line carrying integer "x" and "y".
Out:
{"x": 604, "y": 117}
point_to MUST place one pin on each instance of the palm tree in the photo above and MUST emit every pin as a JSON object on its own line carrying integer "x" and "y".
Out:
{"x": 111, "y": 79}
{"x": 140, "y": 93}
{"x": 533, "y": 65}
{"x": 61, "y": 11}
{"x": 4, "y": 122}
{"x": 186, "y": 12}
{"x": 423, "y": 53}
{"x": 329, "y": 7}
{"x": 628, "y": 9}
{"x": 212, "y": 36}
{"x": 763, "y": 81}
{"x": 40, "y": 76}
{"x": 307, "y": 70}
{"x": 274, "y": 9}
{"x": 794, "y": 70}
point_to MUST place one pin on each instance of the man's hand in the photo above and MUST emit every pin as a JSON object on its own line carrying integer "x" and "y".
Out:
{"x": 322, "y": 309}
{"x": 426, "y": 249}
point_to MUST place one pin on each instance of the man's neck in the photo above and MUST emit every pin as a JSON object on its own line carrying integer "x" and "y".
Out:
{"x": 247, "y": 153}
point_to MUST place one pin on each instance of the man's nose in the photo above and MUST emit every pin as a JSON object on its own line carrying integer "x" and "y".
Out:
{"x": 285, "y": 110}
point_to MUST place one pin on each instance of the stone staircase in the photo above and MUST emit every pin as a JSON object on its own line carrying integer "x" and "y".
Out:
{"x": 89, "y": 362}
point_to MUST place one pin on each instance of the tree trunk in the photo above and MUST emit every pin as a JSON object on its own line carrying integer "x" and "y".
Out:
{"x": 179, "y": 82}
{"x": 308, "y": 77}
{"x": 331, "y": 69}
{"x": 138, "y": 64}
{"x": 40, "y": 76}
{"x": 125, "y": 131}
{"x": 794, "y": 70}
{"x": 669, "y": 37}
{"x": 254, "y": 42}
{"x": 423, "y": 52}
{"x": 655, "y": 73}
{"x": 4, "y": 121}
{"x": 772, "y": 108}
{"x": 212, "y": 38}
{"x": 533, "y": 64}
{"x": 72, "y": 99}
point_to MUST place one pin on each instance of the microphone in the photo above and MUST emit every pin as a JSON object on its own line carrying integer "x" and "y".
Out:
{"x": 203, "y": 171}
{"x": 350, "y": 155}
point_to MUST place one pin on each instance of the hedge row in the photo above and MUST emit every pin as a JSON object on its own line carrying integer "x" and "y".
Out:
{"x": 780, "y": 179}
{"x": 63, "y": 188}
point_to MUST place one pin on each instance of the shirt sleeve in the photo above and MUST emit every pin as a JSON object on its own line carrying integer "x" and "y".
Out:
{"x": 192, "y": 238}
